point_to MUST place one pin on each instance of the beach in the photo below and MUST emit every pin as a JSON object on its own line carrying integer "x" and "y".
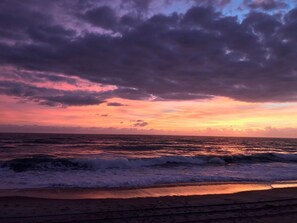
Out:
{"x": 162, "y": 111}
{"x": 260, "y": 205}
{"x": 50, "y": 178}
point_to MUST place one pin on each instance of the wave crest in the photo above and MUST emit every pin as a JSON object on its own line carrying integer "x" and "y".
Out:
{"x": 44, "y": 162}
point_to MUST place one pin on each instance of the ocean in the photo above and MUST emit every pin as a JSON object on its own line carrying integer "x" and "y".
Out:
{"x": 131, "y": 161}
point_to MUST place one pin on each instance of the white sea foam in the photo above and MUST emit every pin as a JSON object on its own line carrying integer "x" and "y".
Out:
{"x": 147, "y": 176}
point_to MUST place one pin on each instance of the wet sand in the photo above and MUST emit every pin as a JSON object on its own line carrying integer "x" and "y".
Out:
{"x": 273, "y": 205}
{"x": 154, "y": 191}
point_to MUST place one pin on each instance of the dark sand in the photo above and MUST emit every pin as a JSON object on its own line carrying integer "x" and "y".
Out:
{"x": 274, "y": 205}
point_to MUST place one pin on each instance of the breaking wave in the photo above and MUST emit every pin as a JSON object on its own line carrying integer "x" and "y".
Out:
{"x": 44, "y": 162}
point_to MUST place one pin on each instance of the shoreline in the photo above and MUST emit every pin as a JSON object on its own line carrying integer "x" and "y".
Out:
{"x": 266, "y": 206}
{"x": 163, "y": 190}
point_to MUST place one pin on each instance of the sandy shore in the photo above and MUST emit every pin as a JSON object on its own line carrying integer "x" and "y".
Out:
{"x": 274, "y": 205}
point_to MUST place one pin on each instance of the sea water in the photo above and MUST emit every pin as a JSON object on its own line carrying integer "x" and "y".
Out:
{"x": 129, "y": 161}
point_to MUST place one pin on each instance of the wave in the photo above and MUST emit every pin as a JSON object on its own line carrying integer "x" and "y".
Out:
{"x": 45, "y": 162}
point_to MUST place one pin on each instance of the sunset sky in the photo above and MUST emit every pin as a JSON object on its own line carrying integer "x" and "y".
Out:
{"x": 186, "y": 67}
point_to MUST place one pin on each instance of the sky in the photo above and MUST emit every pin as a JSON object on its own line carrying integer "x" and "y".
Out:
{"x": 181, "y": 67}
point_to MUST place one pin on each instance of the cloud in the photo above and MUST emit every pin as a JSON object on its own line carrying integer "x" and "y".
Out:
{"x": 265, "y": 4}
{"x": 199, "y": 54}
{"x": 266, "y": 132}
{"x": 76, "y": 130}
{"x": 218, "y": 3}
{"x": 50, "y": 97}
{"x": 102, "y": 16}
{"x": 263, "y": 132}
{"x": 140, "y": 123}
{"x": 115, "y": 104}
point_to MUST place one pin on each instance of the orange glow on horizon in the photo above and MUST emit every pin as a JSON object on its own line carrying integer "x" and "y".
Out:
{"x": 219, "y": 116}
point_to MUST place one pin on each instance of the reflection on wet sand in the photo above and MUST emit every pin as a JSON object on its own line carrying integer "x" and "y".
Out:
{"x": 160, "y": 191}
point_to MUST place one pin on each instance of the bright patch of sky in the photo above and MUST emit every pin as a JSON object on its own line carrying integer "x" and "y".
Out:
{"x": 277, "y": 105}
{"x": 234, "y": 8}
{"x": 178, "y": 7}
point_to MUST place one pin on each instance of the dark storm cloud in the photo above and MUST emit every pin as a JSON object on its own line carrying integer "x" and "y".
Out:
{"x": 102, "y": 16}
{"x": 265, "y": 4}
{"x": 196, "y": 55}
{"x": 22, "y": 21}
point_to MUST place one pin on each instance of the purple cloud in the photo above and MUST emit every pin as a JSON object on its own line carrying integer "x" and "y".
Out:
{"x": 199, "y": 54}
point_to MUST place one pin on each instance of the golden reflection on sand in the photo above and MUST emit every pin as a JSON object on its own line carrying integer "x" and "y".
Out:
{"x": 158, "y": 191}
{"x": 180, "y": 190}
{"x": 285, "y": 184}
